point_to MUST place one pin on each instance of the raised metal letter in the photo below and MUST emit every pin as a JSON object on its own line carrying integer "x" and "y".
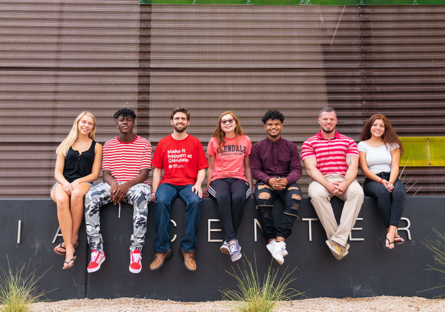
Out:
{"x": 310, "y": 226}
{"x": 408, "y": 224}
{"x": 255, "y": 231}
{"x": 174, "y": 224}
{"x": 210, "y": 230}
{"x": 19, "y": 231}
{"x": 356, "y": 229}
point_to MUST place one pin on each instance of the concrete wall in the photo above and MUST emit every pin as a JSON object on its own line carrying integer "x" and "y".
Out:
{"x": 368, "y": 270}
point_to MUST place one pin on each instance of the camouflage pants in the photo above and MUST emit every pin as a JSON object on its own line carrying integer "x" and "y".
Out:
{"x": 138, "y": 195}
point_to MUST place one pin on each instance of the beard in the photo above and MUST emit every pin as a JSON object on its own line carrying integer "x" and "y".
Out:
{"x": 179, "y": 130}
{"x": 328, "y": 131}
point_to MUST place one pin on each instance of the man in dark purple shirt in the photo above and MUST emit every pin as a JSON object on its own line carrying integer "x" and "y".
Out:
{"x": 275, "y": 165}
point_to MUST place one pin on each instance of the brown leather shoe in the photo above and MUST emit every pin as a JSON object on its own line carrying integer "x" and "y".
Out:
{"x": 160, "y": 257}
{"x": 189, "y": 260}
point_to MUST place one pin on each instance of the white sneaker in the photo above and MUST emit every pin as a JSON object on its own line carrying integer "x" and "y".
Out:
{"x": 285, "y": 252}
{"x": 277, "y": 250}
{"x": 270, "y": 246}
{"x": 235, "y": 251}
{"x": 225, "y": 249}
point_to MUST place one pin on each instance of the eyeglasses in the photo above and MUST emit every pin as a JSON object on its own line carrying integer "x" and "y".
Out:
{"x": 230, "y": 121}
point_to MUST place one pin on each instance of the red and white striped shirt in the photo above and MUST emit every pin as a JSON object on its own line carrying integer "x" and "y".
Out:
{"x": 330, "y": 153}
{"x": 125, "y": 160}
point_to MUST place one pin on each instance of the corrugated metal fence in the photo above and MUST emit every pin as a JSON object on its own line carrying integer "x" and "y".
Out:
{"x": 58, "y": 58}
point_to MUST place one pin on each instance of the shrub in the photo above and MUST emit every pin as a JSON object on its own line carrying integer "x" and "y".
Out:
{"x": 254, "y": 296}
{"x": 438, "y": 248}
{"x": 18, "y": 289}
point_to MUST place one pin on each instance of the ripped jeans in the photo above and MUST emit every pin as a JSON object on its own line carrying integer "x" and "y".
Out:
{"x": 265, "y": 196}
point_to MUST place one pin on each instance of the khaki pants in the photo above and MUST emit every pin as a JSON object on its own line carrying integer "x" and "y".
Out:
{"x": 321, "y": 200}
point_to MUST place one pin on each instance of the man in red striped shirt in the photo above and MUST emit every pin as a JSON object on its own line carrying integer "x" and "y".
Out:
{"x": 126, "y": 163}
{"x": 331, "y": 160}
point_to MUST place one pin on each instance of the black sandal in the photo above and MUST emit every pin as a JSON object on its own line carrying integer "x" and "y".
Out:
{"x": 69, "y": 266}
{"x": 59, "y": 252}
{"x": 61, "y": 247}
{"x": 384, "y": 243}
{"x": 400, "y": 242}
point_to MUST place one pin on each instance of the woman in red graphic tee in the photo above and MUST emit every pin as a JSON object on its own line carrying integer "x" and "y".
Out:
{"x": 230, "y": 177}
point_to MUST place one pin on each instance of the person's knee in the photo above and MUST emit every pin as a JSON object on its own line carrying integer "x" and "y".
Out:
{"x": 195, "y": 201}
{"x": 385, "y": 196}
{"x": 239, "y": 198}
{"x": 62, "y": 201}
{"x": 95, "y": 194}
{"x": 63, "y": 205}
{"x": 263, "y": 195}
{"x": 318, "y": 192}
{"x": 356, "y": 191}
{"x": 319, "y": 197}
{"x": 399, "y": 190}
{"x": 77, "y": 196}
{"x": 162, "y": 204}
{"x": 145, "y": 191}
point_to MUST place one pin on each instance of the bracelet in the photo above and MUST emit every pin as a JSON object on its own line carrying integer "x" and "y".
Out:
{"x": 381, "y": 181}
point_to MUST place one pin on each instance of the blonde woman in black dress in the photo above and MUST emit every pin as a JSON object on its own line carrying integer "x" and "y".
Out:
{"x": 78, "y": 164}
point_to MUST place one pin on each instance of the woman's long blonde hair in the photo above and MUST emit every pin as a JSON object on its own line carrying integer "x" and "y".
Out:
{"x": 219, "y": 133}
{"x": 72, "y": 136}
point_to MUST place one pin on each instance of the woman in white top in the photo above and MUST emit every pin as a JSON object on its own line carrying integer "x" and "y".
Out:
{"x": 380, "y": 152}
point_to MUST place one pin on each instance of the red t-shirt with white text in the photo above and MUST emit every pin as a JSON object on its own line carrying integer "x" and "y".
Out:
{"x": 180, "y": 159}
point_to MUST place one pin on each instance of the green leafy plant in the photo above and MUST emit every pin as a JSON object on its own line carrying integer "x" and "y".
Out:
{"x": 257, "y": 294}
{"x": 18, "y": 289}
{"x": 438, "y": 248}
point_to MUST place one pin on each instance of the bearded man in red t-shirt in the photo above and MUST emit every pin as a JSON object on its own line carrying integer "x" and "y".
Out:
{"x": 184, "y": 162}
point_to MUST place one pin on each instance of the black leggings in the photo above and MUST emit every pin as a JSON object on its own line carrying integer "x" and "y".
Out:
{"x": 230, "y": 195}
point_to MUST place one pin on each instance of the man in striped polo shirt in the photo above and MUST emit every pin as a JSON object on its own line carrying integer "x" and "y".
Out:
{"x": 126, "y": 163}
{"x": 331, "y": 160}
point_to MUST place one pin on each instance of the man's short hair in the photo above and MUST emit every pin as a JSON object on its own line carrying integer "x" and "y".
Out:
{"x": 124, "y": 112}
{"x": 272, "y": 114}
{"x": 180, "y": 110}
{"x": 327, "y": 109}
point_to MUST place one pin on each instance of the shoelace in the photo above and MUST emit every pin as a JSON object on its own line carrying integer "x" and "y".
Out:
{"x": 233, "y": 247}
{"x": 136, "y": 257}
{"x": 94, "y": 256}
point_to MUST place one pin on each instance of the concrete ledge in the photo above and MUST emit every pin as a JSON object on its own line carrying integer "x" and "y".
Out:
{"x": 368, "y": 270}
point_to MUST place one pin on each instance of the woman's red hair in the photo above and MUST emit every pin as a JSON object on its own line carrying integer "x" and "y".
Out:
{"x": 390, "y": 136}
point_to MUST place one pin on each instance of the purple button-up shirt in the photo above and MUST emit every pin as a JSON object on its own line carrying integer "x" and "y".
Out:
{"x": 270, "y": 159}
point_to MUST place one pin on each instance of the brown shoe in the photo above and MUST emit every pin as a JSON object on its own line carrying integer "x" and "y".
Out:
{"x": 189, "y": 260}
{"x": 160, "y": 257}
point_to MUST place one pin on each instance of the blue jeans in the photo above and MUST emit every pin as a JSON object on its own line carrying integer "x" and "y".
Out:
{"x": 390, "y": 205}
{"x": 165, "y": 195}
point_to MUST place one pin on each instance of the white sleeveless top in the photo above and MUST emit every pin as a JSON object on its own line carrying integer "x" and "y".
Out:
{"x": 378, "y": 158}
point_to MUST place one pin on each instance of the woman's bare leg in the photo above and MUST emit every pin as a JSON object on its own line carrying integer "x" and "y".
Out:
{"x": 77, "y": 208}
{"x": 61, "y": 198}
